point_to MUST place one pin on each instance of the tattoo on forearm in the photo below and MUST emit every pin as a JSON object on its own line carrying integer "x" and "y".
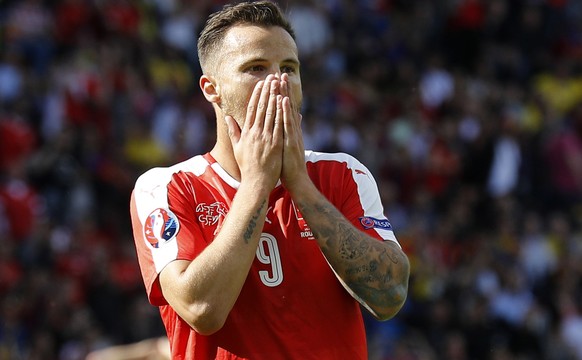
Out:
{"x": 333, "y": 224}
{"x": 253, "y": 223}
{"x": 392, "y": 257}
{"x": 371, "y": 269}
{"x": 347, "y": 248}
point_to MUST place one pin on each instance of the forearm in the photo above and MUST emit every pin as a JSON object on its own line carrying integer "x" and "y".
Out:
{"x": 375, "y": 272}
{"x": 205, "y": 290}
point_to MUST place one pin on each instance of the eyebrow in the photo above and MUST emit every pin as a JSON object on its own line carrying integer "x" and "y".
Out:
{"x": 260, "y": 59}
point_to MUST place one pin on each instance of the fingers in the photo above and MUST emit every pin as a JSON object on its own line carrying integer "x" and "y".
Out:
{"x": 284, "y": 84}
{"x": 233, "y": 129}
{"x": 267, "y": 101}
{"x": 288, "y": 123}
{"x": 270, "y": 108}
{"x": 285, "y": 90}
{"x": 252, "y": 106}
{"x": 291, "y": 123}
{"x": 270, "y": 112}
{"x": 278, "y": 126}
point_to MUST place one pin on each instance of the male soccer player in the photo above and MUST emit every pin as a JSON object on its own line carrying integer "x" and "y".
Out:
{"x": 260, "y": 249}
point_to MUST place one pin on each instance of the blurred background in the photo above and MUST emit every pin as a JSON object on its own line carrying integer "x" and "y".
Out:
{"x": 468, "y": 112}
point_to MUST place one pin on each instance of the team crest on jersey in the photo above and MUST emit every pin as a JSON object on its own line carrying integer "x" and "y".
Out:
{"x": 370, "y": 222}
{"x": 160, "y": 227}
{"x": 211, "y": 214}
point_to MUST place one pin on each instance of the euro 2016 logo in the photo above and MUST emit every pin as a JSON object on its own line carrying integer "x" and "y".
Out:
{"x": 160, "y": 227}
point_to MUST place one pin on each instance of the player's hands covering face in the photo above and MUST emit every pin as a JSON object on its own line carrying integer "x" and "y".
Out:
{"x": 270, "y": 144}
{"x": 258, "y": 145}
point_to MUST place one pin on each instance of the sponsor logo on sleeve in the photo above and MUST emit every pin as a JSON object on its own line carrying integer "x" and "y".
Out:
{"x": 161, "y": 226}
{"x": 305, "y": 230}
{"x": 370, "y": 222}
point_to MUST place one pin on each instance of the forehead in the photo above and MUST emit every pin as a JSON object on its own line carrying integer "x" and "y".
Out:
{"x": 250, "y": 41}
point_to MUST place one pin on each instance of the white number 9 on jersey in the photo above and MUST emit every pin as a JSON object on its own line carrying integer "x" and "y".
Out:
{"x": 268, "y": 253}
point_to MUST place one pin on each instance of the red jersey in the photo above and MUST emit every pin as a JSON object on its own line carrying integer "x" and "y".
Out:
{"x": 292, "y": 306}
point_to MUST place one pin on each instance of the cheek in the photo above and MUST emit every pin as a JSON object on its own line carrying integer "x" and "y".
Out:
{"x": 239, "y": 93}
{"x": 297, "y": 93}
{"x": 235, "y": 99}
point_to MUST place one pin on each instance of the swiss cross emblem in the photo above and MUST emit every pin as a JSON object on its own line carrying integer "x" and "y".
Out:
{"x": 210, "y": 214}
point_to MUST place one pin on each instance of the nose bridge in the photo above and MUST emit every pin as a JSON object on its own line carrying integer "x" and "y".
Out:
{"x": 275, "y": 69}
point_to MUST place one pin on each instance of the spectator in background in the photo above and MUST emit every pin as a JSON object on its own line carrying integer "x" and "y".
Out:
{"x": 504, "y": 174}
{"x": 504, "y": 58}
{"x": 11, "y": 76}
{"x": 563, "y": 155}
{"x": 312, "y": 27}
{"x": 30, "y": 30}
{"x": 571, "y": 328}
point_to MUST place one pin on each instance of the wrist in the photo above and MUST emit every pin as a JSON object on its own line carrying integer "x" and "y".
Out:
{"x": 255, "y": 189}
{"x": 300, "y": 187}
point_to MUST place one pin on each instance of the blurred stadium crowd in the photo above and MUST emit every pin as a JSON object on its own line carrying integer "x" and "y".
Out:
{"x": 468, "y": 112}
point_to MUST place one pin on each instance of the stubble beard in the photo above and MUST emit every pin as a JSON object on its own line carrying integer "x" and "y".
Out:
{"x": 236, "y": 108}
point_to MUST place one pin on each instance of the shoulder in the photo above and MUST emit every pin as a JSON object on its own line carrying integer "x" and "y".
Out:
{"x": 329, "y": 168}
{"x": 162, "y": 176}
{"x": 154, "y": 188}
{"x": 337, "y": 160}
{"x": 339, "y": 157}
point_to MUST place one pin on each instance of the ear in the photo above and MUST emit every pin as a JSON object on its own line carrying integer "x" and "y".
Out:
{"x": 209, "y": 89}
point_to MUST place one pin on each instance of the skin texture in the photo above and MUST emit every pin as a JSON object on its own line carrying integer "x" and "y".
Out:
{"x": 255, "y": 90}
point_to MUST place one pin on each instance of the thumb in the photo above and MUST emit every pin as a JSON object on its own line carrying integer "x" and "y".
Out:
{"x": 233, "y": 129}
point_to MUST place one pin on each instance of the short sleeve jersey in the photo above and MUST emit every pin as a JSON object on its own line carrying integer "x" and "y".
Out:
{"x": 291, "y": 306}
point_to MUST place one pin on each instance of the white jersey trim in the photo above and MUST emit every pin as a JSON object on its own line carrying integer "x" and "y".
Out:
{"x": 151, "y": 192}
{"x": 366, "y": 185}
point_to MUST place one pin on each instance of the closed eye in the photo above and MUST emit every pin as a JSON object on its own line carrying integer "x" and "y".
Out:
{"x": 288, "y": 69}
{"x": 256, "y": 68}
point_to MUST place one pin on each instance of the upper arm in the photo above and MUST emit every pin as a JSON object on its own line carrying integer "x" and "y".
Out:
{"x": 163, "y": 226}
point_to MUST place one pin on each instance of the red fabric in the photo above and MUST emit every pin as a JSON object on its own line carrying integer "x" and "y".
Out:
{"x": 10, "y": 274}
{"x": 21, "y": 207}
{"x": 122, "y": 16}
{"x": 293, "y": 306}
{"x": 70, "y": 18}
{"x": 17, "y": 141}
{"x": 564, "y": 154}
{"x": 469, "y": 15}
